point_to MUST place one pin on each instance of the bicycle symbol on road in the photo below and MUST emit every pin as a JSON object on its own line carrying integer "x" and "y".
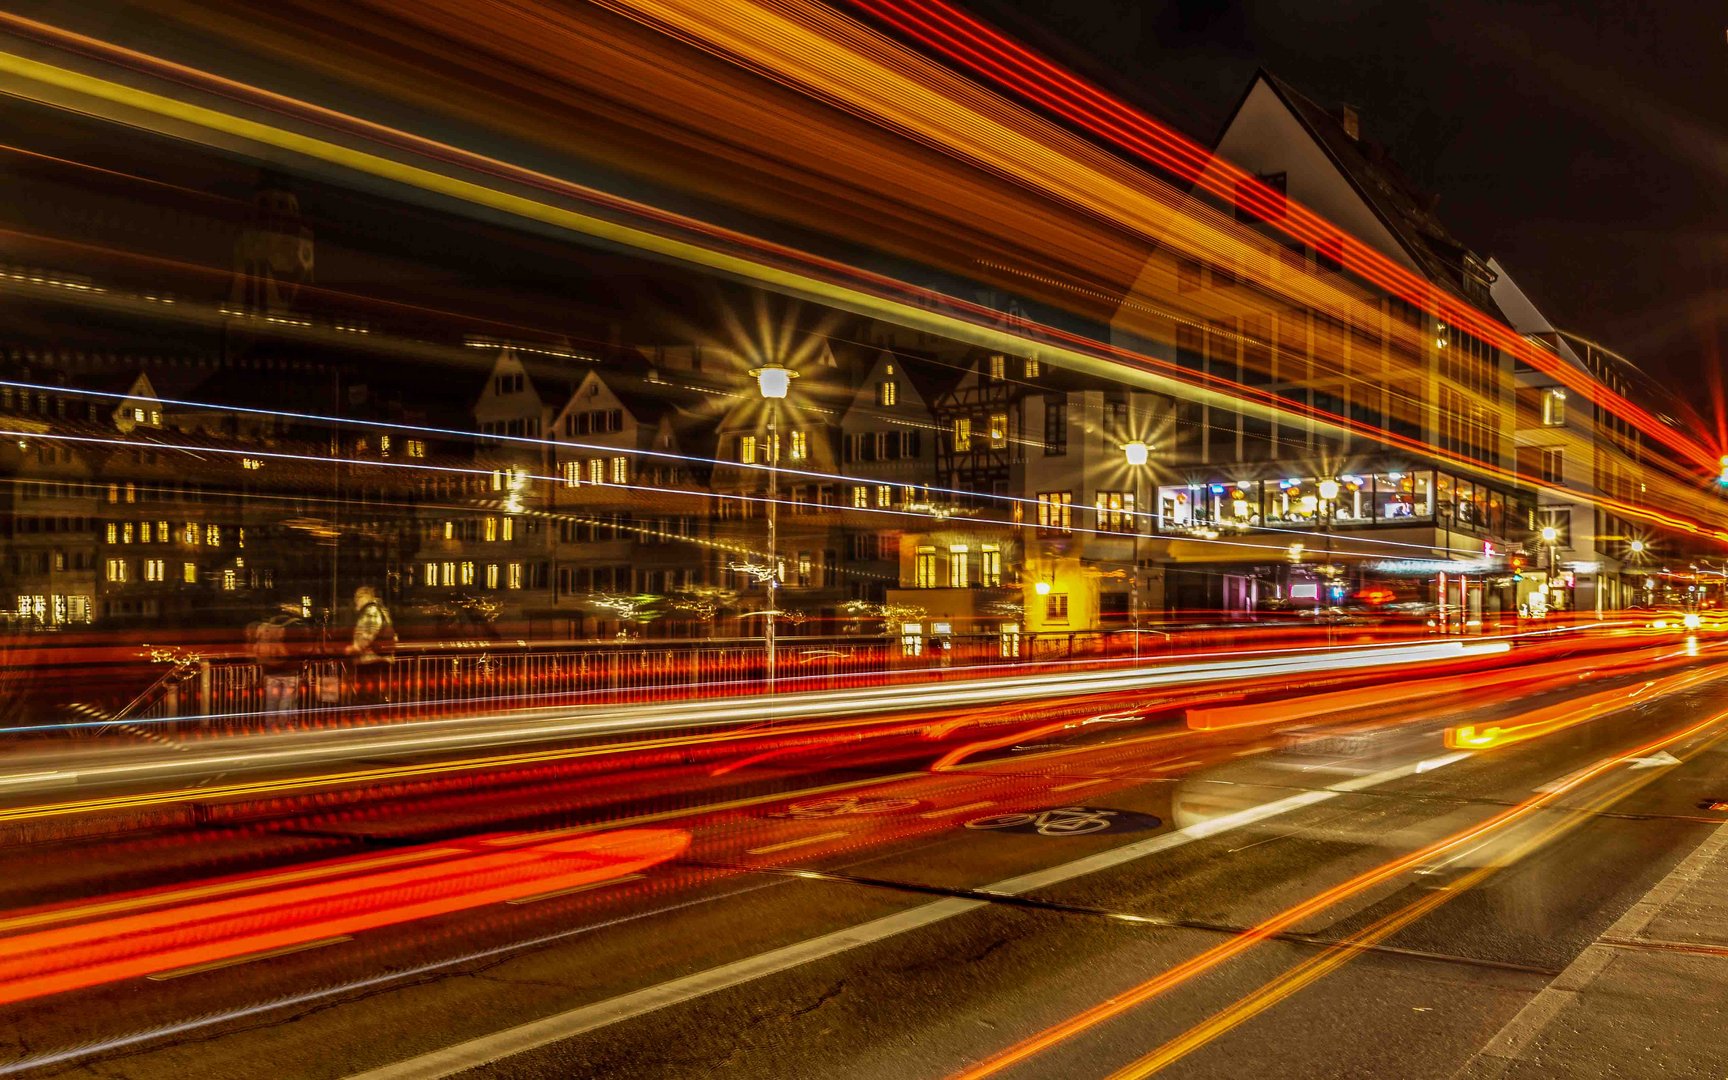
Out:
{"x": 850, "y": 804}
{"x": 1062, "y": 821}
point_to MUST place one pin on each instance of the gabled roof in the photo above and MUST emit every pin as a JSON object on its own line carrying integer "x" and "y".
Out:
{"x": 1405, "y": 210}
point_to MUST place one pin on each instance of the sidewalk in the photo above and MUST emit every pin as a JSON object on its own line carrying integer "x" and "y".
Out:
{"x": 1649, "y": 998}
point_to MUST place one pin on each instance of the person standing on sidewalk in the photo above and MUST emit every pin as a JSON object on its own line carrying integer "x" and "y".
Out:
{"x": 371, "y": 648}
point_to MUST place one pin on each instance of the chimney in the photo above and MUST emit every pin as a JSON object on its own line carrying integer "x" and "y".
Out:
{"x": 1352, "y": 123}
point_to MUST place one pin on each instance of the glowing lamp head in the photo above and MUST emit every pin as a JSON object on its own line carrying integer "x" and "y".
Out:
{"x": 1042, "y": 588}
{"x": 1137, "y": 452}
{"x": 774, "y": 380}
{"x": 1637, "y": 547}
{"x": 1328, "y": 489}
{"x": 1550, "y": 534}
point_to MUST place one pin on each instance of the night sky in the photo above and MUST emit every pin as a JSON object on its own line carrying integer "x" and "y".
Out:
{"x": 1583, "y": 144}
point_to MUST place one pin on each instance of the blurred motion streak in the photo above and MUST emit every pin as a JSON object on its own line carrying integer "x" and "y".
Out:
{"x": 226, "y": 755}
{"x": 443, "y": 879}
{"x": 906, "y": 93}
{"x": 1337, "y": 955}
{"x": 1553, "y": 675}
{"x": 1284, "y": 920}
{"x": 972, "y": 44}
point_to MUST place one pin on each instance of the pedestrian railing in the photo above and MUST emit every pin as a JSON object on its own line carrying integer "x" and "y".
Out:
{"x": 212, "y": 693}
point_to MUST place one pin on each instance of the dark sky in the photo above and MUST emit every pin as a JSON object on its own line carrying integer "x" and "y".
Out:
{"x": 1583, "y": 144}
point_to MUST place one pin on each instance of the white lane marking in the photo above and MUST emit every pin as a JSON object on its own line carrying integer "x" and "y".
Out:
{"x": 572, "y": 890}
{"x": 1080, "y": 784}
{"x": 567, "y": 1025}
{"x": 217, "y": 965}
{"x": 952, "y": 810}
{"x": 803, "y": 841}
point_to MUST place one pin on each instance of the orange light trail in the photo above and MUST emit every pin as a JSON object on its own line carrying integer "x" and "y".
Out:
{"x": 1290, "y": 917}
{"x": 768, "y": 263}
{"x": 975, "y": 45}
{"x": 184, "y": 935}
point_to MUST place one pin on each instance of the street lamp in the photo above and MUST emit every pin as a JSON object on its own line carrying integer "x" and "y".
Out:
{"x": 1137, "y": 453}
{"x": 774, "y": 381}
{"x": 1328, "y": 490}
{"x": 1550, "y": 536}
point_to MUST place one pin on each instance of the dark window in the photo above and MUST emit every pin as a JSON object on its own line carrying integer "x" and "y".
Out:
{"x": 1055, "y": 425}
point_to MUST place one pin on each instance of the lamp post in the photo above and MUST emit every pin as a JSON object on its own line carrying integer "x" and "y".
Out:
{"x": 1137, "y": 453}
{"x": 774, "y": 381}
{"x": 1549, "y": 536}
{"x": 1328, "y": 491}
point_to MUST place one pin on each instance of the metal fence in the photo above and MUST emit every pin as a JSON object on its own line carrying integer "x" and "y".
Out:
{"x": 234, "y": 693}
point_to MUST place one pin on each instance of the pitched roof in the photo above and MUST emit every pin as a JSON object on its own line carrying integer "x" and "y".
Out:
{"x": 1406, "y": 210}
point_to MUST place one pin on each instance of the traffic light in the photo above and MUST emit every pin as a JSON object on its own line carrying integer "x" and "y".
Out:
{"x": 1517, "y": 563}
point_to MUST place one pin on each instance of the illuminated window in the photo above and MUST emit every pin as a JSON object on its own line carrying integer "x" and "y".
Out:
{"x": 515, "y": 575}
{"x": 416, "y": 448}
{"x": 384, "y": 446}
{"x": 189, "y": 573}
{"x": 229, "y": 580}
{"x": 572, "y": 474}
{"x": 806, "y": 569}
{"x": 860, "y": 496}
{"x": 1056, "y": 511}
{"x": 251, "y": 463}
{"x": 491, "y": 575}
{"x": 113, "y": 533}
{"x": 144, "y": 532}
{"x": 1033, "y": 367}
{"x": 509, "y": 528}
{"x": 959, "y": 566}
{"x": 449, "y": 530}
{"x": 497, "y": 480}
{"x": 138, "y": 415}
{"x": 912, "y": 639}
{"x": 998, "y": 430}
{"x": 131, "y": 492}
{"x": 998, "y": 365}
{"x": 155, "y": 417}
{"x": 800, "y": 446}
{"x": 621, "y": 470}
{"x": 747, "y": 449}
{"x": 155, "y": 570}
{"x": 1116, "y": 511}
{"x": 431, "y": 575}
{"x": 1554, "y": 407}
{"x": 887, "y": 392}
{"x": 884, "y": 494}
{"x": 491, "y": 528}
{"x": 113, "y": 493}
{"x": 126, "y": 533}
{"x": 467, "y": 573}
{"x": 924, "y": 568}
{"x": 213, "y": 535}
{"x": 116, "y": 570}
{"x": 189, "y": 535}
{"x": 1056, "y": 607}
{"x": 447, "y": 573}
{"x": 1010, "y": 638}
{"x": 161, "y": 532}
{"x": 990, "y": 566}
{"x": 597, "y": 471}
{"x": 962, "y": 434}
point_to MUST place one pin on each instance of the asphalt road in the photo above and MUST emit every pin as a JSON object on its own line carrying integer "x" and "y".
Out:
{"x": 1352, "y": 897}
